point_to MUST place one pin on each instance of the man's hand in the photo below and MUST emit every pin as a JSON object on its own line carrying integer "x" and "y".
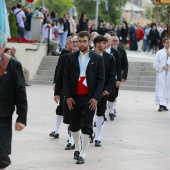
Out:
{"x": 54, "y": 86}
{"x": 57, "y": 99}
{"x": 70, "y": 103}
{"x": 166, "y": 67}
{"x": 93, "y": 104}
{"x": 105, "y": 93}
{"x": 123, "y": 80}
{"x": 19, "y": 126}
{"x": 117, "y": 84}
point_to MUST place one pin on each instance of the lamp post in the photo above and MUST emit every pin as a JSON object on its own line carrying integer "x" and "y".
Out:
{"x": 121, "y": 15}
{"x": 97, "y": 13}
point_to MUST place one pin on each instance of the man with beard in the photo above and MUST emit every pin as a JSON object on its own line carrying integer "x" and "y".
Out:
{"x": 110, "y": 72}
{"x": 83, "y": 85}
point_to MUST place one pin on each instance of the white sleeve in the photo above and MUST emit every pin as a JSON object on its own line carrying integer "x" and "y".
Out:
{"x": 168, "y": 61}
{"x": 157, "y": 65}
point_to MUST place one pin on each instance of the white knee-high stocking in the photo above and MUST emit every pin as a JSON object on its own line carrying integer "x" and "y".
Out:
{"x": 85, "y": 144}
{"x": 59, "y": 119}
{"x": 112, "y": 106}
{"x": 99, "y": 129}
{"x": 76, "y": 137}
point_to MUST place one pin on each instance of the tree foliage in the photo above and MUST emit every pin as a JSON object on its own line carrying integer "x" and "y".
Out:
{"x": 112, "y": 15}
{"x": 59, "y": 6}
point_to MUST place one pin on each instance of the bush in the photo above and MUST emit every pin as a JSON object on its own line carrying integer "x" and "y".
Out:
{"x": 12, "y": 24}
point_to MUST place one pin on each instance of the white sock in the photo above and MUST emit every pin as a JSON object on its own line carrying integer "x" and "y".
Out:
{"x": 99, "y": 124}
{"x": 59, "y": 119}
{"x": 76, "y": 137}
{"x": 85, "y": 144}
{"x": 95, "y": 116}
{"x": 70, "y": 138}
{"x": 112, "y": 106}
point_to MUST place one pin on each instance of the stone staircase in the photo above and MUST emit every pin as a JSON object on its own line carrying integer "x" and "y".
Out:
{"x": 141, "y": 75}
{"x": 45, "y": 73}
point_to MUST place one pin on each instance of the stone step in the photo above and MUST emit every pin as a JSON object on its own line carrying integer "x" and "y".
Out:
{"x": 49, "y": 63}
{"x": 137, "y": 88}
{"x": 141, "y": 73}
{"x": 141, "y": 64}
{"x": 45, "y": 72}
{"x": 44, "y": 77}
{"x": 47, "y": 67}
{"x": 51, "y": 58}
{"x": 41, "y": 82}
{"x": 141, "y": 78}
{"x": 139, "y": 83}
{"x": 141, "y": 68}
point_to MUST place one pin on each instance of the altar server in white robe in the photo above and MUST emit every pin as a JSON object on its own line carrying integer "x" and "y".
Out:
{"x": 161, "y": 65}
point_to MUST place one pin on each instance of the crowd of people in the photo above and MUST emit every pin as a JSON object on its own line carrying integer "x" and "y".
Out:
{"x": 91, "y": 67}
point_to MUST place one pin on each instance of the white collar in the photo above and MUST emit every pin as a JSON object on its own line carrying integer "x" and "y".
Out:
{"x": 83, "y": 54}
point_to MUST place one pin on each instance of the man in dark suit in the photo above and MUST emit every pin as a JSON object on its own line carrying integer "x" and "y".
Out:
{"x": 83, "y": 85}
{"x": 112, "y": 96}
{"x": 100, "y": 43}
{"x": 59, "y": 109}
{"x": 124, "y": 64}
{"x": 12, "y": 94}
{"x": 62, "y": 109}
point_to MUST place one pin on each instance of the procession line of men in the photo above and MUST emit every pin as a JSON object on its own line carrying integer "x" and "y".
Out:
{"x": 84, "y": 80}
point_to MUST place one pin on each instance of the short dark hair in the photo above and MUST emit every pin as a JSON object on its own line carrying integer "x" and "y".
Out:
{"x": 84, "y": 34}
{"x": 19, "y": 5}
{"x": 99, "y": 39}
{"x": 165, "y": 39}
{"x": 6, "y": 49}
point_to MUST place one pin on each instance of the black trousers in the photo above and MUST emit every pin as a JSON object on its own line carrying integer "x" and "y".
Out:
{"x": 101, "y": 106}
{"x": 81, "y": 117}
{"x": 112, "y": 97}
{"x": 5, "y": 141}
{"x": 59, "y": 109}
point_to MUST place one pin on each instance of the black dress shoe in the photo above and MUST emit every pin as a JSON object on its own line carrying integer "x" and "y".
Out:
{"x": 94, "y": 124}
{"x": 98, "y": 143}
{"x": 105, "y": 119}
{"x": 80, "y": 160}
{"x": 112, "y": 117}
{"x": 160, "y": 109}
{"x": 69, "y": 146}
{"x": 165, "y": 108}
{"x": 76, "y": 154}
{"x": 53, "y": 134}
{"x": 92, "y": 137}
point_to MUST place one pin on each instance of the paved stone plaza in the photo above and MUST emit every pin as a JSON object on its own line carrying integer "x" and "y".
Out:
{"x": 138, "y": 139}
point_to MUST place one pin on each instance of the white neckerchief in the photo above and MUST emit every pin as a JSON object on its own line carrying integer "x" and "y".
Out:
{"x": 82, "y": 59}
{"x": 108, "y": 50}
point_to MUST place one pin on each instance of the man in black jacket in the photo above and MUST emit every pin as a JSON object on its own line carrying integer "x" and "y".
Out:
{"x": 62, "y": 109}
{"x": 124, "y": 64}
{"x": 83, "y": 85}
{"x": 100, "y": 43}
{"x": 12, "y": 93}
{"x": 59, "y": 109}
{"x": 116, "y": 54}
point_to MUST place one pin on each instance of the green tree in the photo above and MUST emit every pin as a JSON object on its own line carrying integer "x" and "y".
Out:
{"x": 59, "y": 6}
{"x": 112, "y": 15}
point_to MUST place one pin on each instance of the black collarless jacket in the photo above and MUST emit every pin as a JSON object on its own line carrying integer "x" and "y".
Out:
{"x": 124, "y": 62}
{"x": 117, "y": 57}
{"x": 59, "y": 74}
{"x": 110, "y": 71}
{"x": 95, "y": 74}
{"x": 12, "y": 92}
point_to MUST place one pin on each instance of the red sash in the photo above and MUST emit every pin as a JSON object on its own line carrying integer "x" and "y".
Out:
{"x": 81, "y": 88}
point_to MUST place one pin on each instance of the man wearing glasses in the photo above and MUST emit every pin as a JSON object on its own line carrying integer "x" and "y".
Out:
{"x": 83, "y": 85}
{"x": 161, "y": 65}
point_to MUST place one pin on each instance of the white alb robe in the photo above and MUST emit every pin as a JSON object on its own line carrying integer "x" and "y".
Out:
{"x": 162, "y": 88}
